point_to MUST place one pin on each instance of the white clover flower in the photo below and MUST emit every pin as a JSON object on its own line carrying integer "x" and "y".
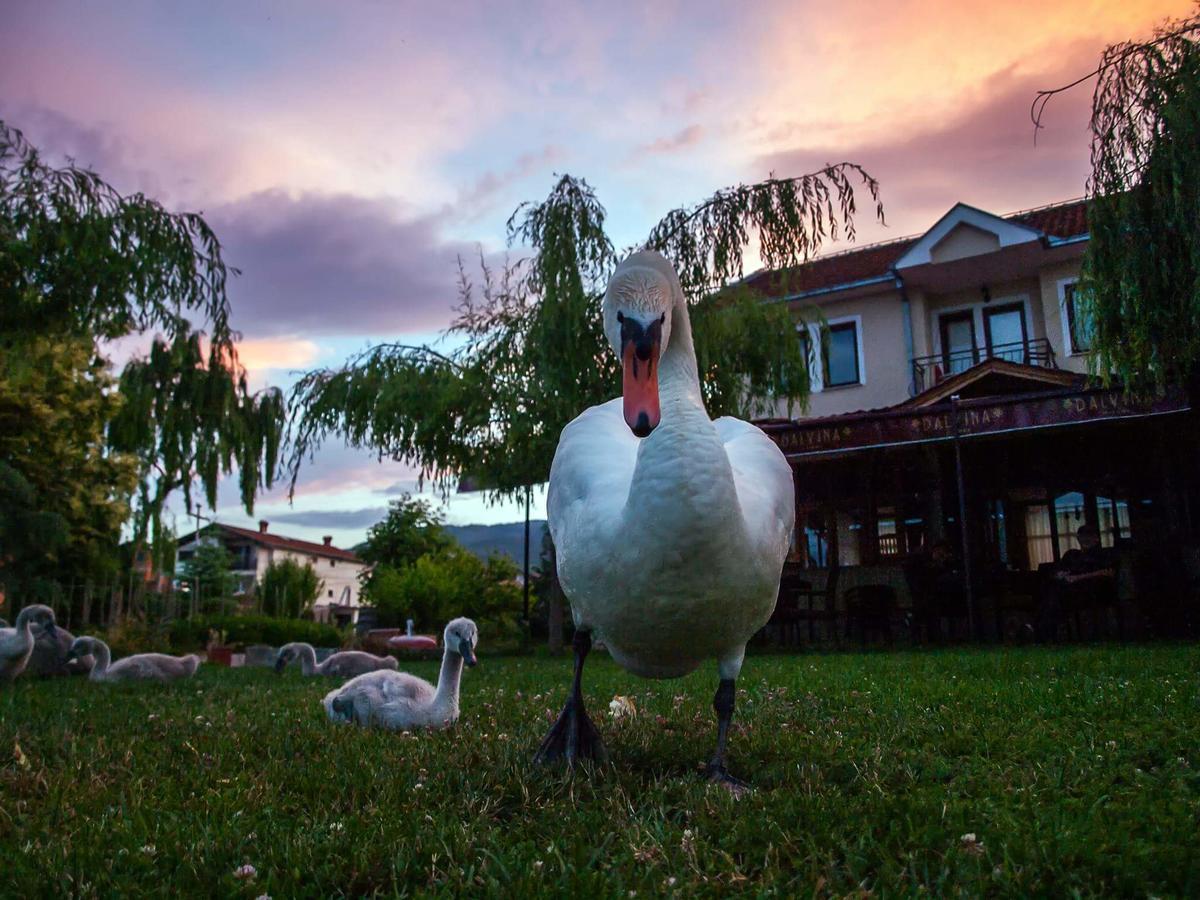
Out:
{"x": 245, "y": 872}
{"x": 622, "y": 707}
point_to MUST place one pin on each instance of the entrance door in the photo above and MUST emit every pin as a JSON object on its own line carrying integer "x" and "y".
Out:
{"x": 1004, "y": 327}
{"x": 958, "y": 342}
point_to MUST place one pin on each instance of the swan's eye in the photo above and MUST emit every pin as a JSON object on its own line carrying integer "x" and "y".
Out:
{"x": 662, "y": 318}
{"x": 620, "y": 316}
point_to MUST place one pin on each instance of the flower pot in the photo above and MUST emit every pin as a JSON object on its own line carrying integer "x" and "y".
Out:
{"x": 221, "y": 656}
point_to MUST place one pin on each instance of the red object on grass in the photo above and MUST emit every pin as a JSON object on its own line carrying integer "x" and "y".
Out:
{"x": 221, "y": 656}
{"x": 413, "y": 642}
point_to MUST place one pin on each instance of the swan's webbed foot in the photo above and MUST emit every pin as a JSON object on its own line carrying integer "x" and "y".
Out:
{"x": 573, "y": 737}
{"x": 718, "y": 774}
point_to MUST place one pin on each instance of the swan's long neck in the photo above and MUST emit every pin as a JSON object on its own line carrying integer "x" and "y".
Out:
{"x": 308, "y": 659}
{"x": 682, "y": 467}
{"x": 446, "y": 698}
{"x": 24, "y": 625}
{"x": 102, "y": 656}
{"x": 678, "y": 377}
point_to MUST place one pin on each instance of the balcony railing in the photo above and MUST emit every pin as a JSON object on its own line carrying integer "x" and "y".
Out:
{"x": 929, "y": 370}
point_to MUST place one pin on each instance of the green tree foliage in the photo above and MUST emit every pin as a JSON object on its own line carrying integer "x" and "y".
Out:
{"x": 529, "y": 351}
{"x": 1140, "y": 286}
{"x": 412, "y": 528}
{"x": 81, "y": 262}
{"x": 63, "y": 494}
{"x": 208, "y": 571}
{"x": 289, "y": 589}
{"x": 450, "y": 582}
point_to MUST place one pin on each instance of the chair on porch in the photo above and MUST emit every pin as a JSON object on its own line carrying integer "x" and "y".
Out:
{"x": 939, "y": 599}
{"x": 800, "y": 602}
{"x": 869, "y": 608}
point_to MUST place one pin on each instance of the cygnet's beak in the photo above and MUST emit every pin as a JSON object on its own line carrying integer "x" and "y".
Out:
{"x": 640, "y": 346}
{"x": 280, "y": 664}
{"x": 343, "y": 706}
{"x": 49, "y": 629}
{"x": 467, "y": 652}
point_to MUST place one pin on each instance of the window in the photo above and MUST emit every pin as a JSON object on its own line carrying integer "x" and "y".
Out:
{"x": 1004, "y": 327}
{"x": 332, "y": 563}
{"x": 1076, "y": 320}
{"x": 833, "y": 352}
{"x": 840, "y": 363}
{"x": 806, "y": 351}
{"x": 958, "y": 341}
{"x": 1114, "y": 520}
{"x": 331, "y": 593}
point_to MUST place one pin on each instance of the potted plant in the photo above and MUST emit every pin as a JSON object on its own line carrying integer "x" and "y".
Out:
{"x": 217, "y": 651}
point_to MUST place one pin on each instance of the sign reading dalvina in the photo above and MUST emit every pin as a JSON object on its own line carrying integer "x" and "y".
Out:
{"x": 990, "y": 415}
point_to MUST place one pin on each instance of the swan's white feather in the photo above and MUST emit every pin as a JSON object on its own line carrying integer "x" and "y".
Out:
{"x": 688, "y": 569}
{"x": 399, "y": 701}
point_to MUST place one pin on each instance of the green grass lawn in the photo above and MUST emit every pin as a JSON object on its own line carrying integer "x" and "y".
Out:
{"x": 1077, "y": 770}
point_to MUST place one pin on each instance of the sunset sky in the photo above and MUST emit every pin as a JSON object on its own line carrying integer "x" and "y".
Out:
{"x": 346, "y": 152}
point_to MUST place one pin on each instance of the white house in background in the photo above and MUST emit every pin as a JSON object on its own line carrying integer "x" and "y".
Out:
{"x": 253, "y": 551}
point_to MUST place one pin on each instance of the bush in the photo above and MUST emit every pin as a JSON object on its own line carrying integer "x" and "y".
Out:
{"x": 135, "y": 635}
{"x": 439, "y": 586}
{"x": 192, "y": 634}
{"x": 288, "y": 588}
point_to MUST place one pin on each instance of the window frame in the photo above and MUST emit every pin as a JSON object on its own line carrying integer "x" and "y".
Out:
{"x": 997, "y": 309}
{"x": 947, "y": 318}
{"x": 1066, "y": 307}
{"x": 818, "y": 367}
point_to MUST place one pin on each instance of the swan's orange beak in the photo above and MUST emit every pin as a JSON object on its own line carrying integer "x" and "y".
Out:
{"x": 639, "y": 383}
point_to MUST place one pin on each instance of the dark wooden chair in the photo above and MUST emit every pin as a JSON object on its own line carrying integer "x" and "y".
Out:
{"x": 938, "y": 600}
{"x": 818, "y": 605}
{"x": 869, "y": 608}
{"x": 1065, "y": 603}
{"x": 786, "y": 618}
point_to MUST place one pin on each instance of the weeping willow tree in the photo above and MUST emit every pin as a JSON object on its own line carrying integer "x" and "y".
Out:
{"x": 80, "y": 262}
{"x": 526, "y": 352}
{"x": 1140, "y": 283}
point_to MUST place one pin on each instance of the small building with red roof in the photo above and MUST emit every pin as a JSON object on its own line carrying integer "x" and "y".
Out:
{"x": 253, "y": 551}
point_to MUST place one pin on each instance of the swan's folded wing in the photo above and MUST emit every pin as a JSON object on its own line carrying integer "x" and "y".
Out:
{"x": 763, "y": 479}
{"x": 591, "y": 474}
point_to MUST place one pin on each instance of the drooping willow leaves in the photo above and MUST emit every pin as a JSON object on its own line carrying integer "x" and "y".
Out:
{"x": 81, "y": 261}
{"x": 1140, "y": 284}
{"x": 526, "y": 352}
{"x": 187, "y": 411}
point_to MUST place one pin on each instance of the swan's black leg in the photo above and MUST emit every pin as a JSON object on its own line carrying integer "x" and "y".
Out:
{"x": 723, "y": 703}
{"x": 573, "y": 737}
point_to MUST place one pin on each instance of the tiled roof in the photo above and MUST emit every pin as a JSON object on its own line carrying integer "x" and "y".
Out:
{"x": 830, "y": 271}
{"x": 1062, "y": 220}
{"x": 279, "y": 542}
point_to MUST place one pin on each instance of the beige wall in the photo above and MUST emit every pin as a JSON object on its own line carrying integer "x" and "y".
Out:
{"x": 337, "y": 577}
{"x": 885, "y": 365}
{"x": 965, "y": 240}
{"x": 1051, "y": 278}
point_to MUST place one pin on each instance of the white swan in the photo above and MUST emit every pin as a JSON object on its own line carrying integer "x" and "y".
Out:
{"x": 671, "y": 529}
{"x": 139, "y": 667}
{"x": 400, "y": 701}
{"x": 16, "y": 644}
{"x": 346, "y": 664}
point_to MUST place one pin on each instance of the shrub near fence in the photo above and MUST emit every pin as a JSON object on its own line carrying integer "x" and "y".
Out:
{"x": 193, "y": 633}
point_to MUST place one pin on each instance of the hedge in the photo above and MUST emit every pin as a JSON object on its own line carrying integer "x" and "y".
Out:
{"x": 192, "y": 634}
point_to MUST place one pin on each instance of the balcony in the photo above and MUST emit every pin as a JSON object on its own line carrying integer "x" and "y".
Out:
{"x": 929, "y": 370}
